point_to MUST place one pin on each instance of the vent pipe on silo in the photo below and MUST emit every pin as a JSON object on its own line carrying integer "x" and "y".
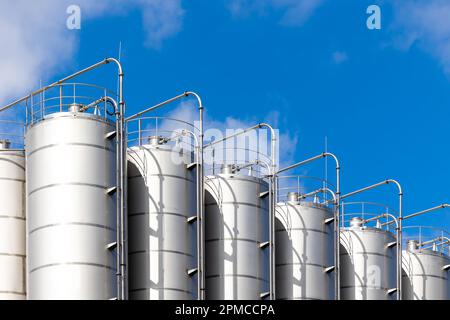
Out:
{"x": 5, "y": 144}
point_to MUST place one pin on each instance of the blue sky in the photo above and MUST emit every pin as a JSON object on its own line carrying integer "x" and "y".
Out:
{"x": 311, "y": 66}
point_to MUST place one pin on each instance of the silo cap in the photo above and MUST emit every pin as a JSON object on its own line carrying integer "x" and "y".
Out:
{"x": 228, "y": 169}
{"x": 157, "y": 140}
{"x": 293, "y": 196}
{"x": 413, "y": 245}
{"x": 75, "y": 107}
{"x": 356, "y": 222}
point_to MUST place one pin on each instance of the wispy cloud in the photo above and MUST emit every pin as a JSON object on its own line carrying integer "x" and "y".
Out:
{"x": 293, "y": 12}
{"x": 215, "y": 129}
{"x": 36, "y": 42}
{"x": 425, "y": 24}
{"x": 162, "y": 19}
{"x": 339, "y": 57}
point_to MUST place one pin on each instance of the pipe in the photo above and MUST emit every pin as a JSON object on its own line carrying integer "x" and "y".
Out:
{"x": 272, "y": 200}
{"x": 201, "y": 224}
{"x": 337, "y": 227}
{"x": 156, "y": 106}
{"x": 200, "y": 186}
{"x": 397, "y": 229}
{"x": 118, "y": 177}
{"x": 199, "y": 210}
{"x": 312, "y": 193}
{"x": 443, "y": 240}
{"x": 199, "y": 206}
{"x": 94, "y": 66}
{"x": 400, "y": 225}
{"x": 442, "y": 206}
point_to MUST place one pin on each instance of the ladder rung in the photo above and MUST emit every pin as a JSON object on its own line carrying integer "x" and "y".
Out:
{"x": 391, "y": 291}
{"x": 446, "y": 267}
{"x": 329, "y": 269}
{"x": 192, "y": 219}
{"x": 111, "y": 135}
{"x": 191, "y": 272}
{"x": 264, "y": 295}
{"x": 264, "y": 194}
{"x": 392, "y": 244}
{"x": 111, "y": 246}
{"x": 191, "y": 165}
{"x": 263, "y": 245}
{"x": 328, "y": 221}
{"x": 111, "y": 190}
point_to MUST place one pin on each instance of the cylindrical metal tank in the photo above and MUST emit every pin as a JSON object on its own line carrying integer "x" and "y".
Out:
{"x": 368, "y": 263}
{"x": 304, "y": 250}
{"x": 236, "y": 222}
{"x": 71, "y": 207}
{"x": 12, "y": 223}
{"x": 424, "y": 274}
{"x": 162, "y": 236}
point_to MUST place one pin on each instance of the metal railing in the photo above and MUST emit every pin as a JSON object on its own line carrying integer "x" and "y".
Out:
{"x": 306, "y": 187}
{"x": 172, "y": 131}
{"x": 64, "y": 97}
{"x": 12, "y": 132}
{"x": 368, "y": 211}
{"x": 428, "y": 238}
{"x": 244, "y": 161}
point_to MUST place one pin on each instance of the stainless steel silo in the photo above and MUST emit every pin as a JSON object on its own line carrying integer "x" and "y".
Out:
{"x": 425, "y": 273}
{"x": 236, "y": 236}
{"x": 368, "y": 262}
{"x": 162, "y": 230}
{"x": 12, "y": 223}
{"x": 71, "y": 207}
{"x": 304, "y": 250}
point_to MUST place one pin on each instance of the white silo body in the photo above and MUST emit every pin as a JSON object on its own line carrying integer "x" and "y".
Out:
{"x": 12, "y": 223}
{"x": 425, "y": 274}
{"x": 304, "y": 251}
{"x": 71, "y": 208}
{"x": 162, "y": 193}
{"x": 368, "y": 263}
{"x": 237, "y": 227}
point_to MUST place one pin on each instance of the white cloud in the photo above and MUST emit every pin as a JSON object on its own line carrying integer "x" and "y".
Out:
{"x": 425, "y": 23}
{"x": 340, "y": 57}
{"x": 293, "y": 12}
{"x": 162, "y": 19}
{"x": 37, "y": 43}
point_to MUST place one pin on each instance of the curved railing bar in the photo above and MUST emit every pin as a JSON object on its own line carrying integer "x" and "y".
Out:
{"x": 337, "y": 212}
{"x": 200, "y": 186}
{"x": 76, "y": 74}
{"x": 272, "y": 189}
{"x": 114, "y": 103}
{"x": 442, "y": 206}
{"x": 321, "y": 190}
{"x": 400, "y": 224}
